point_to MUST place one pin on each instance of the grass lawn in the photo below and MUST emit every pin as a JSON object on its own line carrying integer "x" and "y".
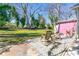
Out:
{"x": 23, "y": 33}
{"x": 19, "y": 35}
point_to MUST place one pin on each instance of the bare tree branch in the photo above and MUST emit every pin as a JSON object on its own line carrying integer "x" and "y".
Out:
{"x": 35, "y": 10}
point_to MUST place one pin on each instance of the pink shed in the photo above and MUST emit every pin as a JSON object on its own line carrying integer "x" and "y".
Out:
{"x": 68, "y": 25}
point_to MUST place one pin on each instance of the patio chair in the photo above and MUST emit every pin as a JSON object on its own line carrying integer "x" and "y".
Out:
{"x": 46, "y": 38}
{"x": 50, "y": 37}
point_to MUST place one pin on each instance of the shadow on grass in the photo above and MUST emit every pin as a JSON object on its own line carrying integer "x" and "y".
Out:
{"x": 20, "y": 35}
{"x": 17, "y": 38}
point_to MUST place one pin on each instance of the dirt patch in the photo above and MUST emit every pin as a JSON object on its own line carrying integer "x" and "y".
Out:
{"x": 17, "y": 50}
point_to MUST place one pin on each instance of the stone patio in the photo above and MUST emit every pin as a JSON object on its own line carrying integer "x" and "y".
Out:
{"x": 34, "y": 47}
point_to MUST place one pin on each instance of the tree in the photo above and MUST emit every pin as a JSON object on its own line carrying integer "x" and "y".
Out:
{"x": 32, "y": 19}
{"x": 55, "y": 9}
{"x": 36, "y": 23}
{"x": 32, "y": 12}
{"x": 5, "y": 12}
{"x": 24, "y": 16}
{"x": 41, "y": 21}
{"x": 53, "y": 20}
{"x": 23, "y": 20}
{"x": 15, "y": 15}
{"x": 55, "y": 13}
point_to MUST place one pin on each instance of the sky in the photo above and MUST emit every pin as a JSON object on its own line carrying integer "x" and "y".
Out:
{"x": 34, "y": 6}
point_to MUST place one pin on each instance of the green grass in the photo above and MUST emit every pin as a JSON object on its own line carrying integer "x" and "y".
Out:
{"x": 26, "y": 33}
{"x": 12, "y": 40}
{"x": 19, "y": 36}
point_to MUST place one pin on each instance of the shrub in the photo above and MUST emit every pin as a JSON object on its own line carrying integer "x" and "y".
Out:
{"x": 41, "y": 26}
{"x": 49, "y": 26}
{"x": 2, "y": 23}
{"x": 10, "y": 26}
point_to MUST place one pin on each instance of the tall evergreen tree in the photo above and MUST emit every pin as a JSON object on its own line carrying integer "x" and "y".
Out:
{"x": 5, "y": 12}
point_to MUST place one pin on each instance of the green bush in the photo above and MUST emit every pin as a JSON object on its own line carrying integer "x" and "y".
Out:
{"x": 2, "y": 23}
{"x": 49, "y": 26}
{"x": 10, "y": 26}
{"x": 41, "y": 26}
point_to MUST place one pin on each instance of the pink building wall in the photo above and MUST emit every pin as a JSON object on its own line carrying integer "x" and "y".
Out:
{"x": 65, "y": 26}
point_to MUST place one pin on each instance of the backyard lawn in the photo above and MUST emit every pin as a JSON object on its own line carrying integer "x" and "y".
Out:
{"x": 19, "y": 35}
{"x": 22, "y": 33}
